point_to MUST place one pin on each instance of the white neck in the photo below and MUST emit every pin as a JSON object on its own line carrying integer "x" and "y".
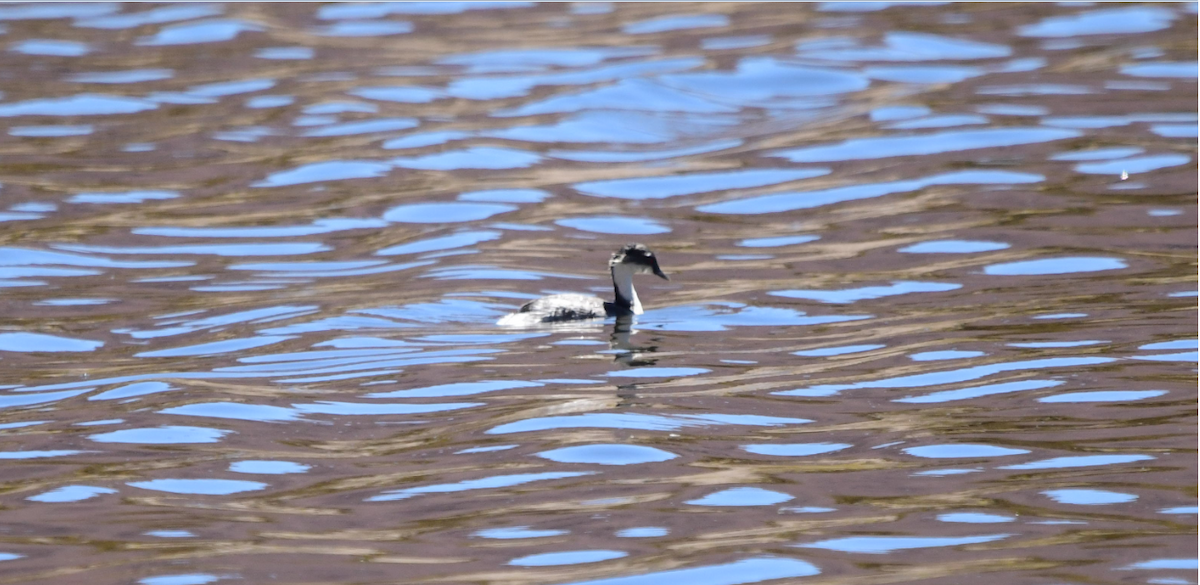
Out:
{"x": 622, "y": 275}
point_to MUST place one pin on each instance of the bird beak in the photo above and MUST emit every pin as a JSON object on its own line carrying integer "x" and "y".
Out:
{"x": 659, "y": 273}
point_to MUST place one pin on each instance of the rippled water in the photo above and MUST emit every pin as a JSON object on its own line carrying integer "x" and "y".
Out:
{"x": 931, "y": 309}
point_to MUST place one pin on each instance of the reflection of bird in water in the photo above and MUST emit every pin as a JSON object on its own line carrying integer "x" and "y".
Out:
{"x": 631, "y": 356}
{"x": 629, "y": 260}
{"x": 626, "y": 352}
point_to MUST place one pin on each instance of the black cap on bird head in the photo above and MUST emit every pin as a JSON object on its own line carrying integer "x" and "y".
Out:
{"x": 640, "y": 257}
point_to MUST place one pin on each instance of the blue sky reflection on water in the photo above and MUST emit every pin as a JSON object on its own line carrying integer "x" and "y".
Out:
{"x": 257, "y": 254}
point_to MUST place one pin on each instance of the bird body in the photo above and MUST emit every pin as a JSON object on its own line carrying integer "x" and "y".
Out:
{"x": 569, "y": 307}
{"x": 629, "y": 260}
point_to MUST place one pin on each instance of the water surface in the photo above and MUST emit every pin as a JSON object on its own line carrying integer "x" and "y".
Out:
{"x": 931, "y": 309}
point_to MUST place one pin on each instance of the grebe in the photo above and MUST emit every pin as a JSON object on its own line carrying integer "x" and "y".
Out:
{"x": 629, "y": 260}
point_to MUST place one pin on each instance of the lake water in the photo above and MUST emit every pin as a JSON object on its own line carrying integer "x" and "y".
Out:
{"x": 932, "y": 308}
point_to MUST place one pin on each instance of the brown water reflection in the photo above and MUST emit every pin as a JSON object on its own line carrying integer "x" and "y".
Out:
{"x": 931, "y": 309}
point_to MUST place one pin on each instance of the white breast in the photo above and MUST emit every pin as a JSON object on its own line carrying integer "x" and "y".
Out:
{"x": 623, "y": 280}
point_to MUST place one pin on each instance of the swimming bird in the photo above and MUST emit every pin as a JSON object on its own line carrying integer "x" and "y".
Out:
{"x": 629, "y": 260}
